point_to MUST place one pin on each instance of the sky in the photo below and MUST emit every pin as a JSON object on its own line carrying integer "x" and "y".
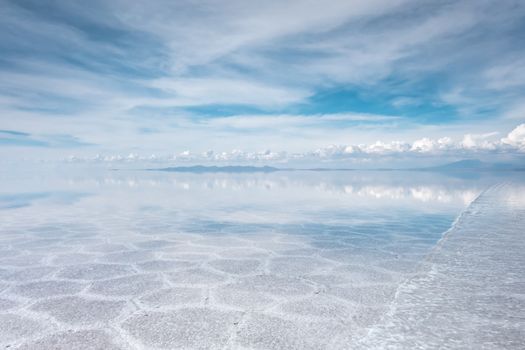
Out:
{"x": 328, "y": 82}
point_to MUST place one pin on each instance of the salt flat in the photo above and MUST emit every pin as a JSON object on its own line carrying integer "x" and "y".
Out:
{"x": 112, "y": 271}
{"x": 470, "y": 292}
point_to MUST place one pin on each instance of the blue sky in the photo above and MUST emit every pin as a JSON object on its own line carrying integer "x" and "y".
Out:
{"x": 245, "y": 80}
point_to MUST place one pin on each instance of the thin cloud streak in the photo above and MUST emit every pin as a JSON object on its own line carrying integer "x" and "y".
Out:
{"x": 222, "y": 77}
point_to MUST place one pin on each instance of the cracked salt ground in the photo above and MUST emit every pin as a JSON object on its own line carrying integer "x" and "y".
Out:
{"x": 100, "y": 274}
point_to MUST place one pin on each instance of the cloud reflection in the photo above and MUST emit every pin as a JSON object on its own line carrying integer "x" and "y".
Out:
{"x": 377, "y": 188}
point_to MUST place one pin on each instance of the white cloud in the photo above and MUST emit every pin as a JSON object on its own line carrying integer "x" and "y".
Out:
{"x": 380, "y": 147}
{"x": 473, "y": 141}
{"x": 515, "y": 111}
{"x": 290, "y": 120}
{"x": 423, "y": 145}
{"x": 199, "y": 91}
{"x": 471, "y": 145}
{"x": 516, "y": 138}
{"x": 200, "y": 35}
{"x": 405, "y": 101}
{"x": 506, "y": 75}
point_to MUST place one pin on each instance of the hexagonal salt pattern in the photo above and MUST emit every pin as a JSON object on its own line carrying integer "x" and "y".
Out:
{"x": 78, "y": 310}
{"x": 276, "y": 287}
{"x": 156, "y": 279}
{"x": 74, "y": 340}
{"x": 185, "y": 328}
{"x": 273, "y": 288}
{"x": 14, "y": 327}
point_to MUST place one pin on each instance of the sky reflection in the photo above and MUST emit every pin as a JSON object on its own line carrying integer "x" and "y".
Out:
{"x": 290, "y": 244}
{"x": 327, "y": 189}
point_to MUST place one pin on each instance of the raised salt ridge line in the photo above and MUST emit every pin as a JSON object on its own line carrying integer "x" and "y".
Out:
{"x": 470, "y": 293}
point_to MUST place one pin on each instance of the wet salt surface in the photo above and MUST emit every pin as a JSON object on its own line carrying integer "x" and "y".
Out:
{"x": 470, "y": 291}
{"x": 309, "y": 261}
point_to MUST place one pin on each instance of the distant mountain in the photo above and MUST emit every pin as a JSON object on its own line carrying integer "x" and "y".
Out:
{"x": 219, "y": 169}
{"x": 462, "y": 165}
{"x": 475, "y": 164}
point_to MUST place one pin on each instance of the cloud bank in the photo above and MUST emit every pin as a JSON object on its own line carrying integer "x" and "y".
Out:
{"x": 471, "y": 145}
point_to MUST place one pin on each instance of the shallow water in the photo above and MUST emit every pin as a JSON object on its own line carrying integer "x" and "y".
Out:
{"x": 469, "y": 293}
{"x": 138, "y": 259}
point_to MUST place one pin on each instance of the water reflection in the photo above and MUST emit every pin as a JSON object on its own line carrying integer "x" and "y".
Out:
{"x": 380, "y": 187}
{"x": 21, "y": 200}
{"x": 297, "y": 252}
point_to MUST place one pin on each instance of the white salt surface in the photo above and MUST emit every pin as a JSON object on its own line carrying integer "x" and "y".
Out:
{"x": 94, "y": 276}
{"x": 470, "y": 292}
